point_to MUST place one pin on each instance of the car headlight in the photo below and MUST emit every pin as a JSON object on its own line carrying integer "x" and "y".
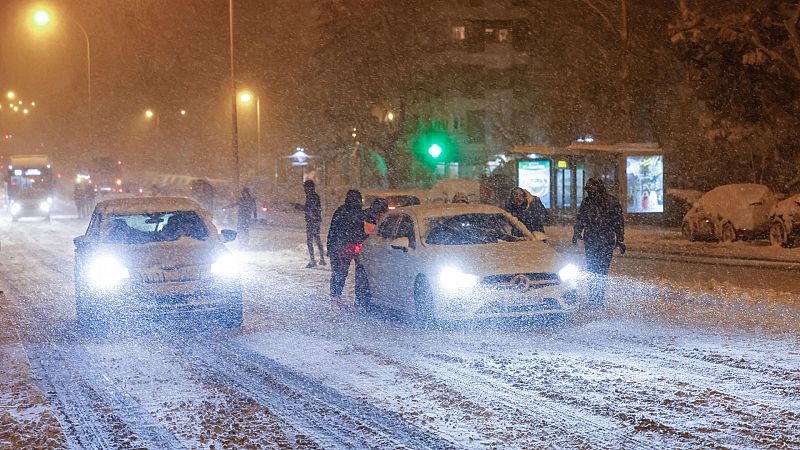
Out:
{"x": 44, "y": 206}
{"x": 106, "y": 271}
{"x": 15, "y": 209}
{"x": 455, "y": 280}
{"x": 570, "y": 272}
{"x": 50, "y": 200}
{"x": 228, "y": 265}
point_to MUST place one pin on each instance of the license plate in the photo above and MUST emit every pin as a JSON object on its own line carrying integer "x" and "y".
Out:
{"x": 169, "y": 275}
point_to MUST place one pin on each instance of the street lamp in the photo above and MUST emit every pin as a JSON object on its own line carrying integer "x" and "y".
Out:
{"x": 247, "y": 97}
{"x": 42, "y": 18}
{"x": 11, "y": 95}
{"x": 234, "y": 124}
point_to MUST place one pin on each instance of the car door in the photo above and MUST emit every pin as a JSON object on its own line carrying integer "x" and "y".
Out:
{"x": 404, "y": 266}
{"x": 375, "y": 254}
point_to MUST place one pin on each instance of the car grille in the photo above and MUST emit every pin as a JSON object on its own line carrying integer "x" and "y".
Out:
{"x": 521, "y": 282}
{"x": 167, "y": 275}
{"x": 546, "y": 304}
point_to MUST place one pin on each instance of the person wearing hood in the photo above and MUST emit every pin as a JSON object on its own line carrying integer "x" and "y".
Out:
{"x": 247, "y": 213}
{"x": 345, "y": 236}
{"x": 527, "y": 208}
{"x": 313, "y": 215}
{"x": 601, "y": 225}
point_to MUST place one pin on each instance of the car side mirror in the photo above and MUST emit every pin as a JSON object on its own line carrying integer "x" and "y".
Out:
{"x": 228, "y": 236}
{"x": 80, "y": 242}
{"x": 401, "y": 243}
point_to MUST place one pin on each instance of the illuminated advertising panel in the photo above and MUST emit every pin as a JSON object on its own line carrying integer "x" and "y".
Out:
{"x": 645, "y": 176}
{"x": 534, "y": 176}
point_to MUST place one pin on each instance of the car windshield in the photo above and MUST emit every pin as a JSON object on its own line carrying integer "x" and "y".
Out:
{"x": 470, "y": 229}
{"x": 31, "y": 194}
{"x": 153, "y": 227}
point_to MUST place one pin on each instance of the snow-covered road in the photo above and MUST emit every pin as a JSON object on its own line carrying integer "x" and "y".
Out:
{"x": 675, "y": 361}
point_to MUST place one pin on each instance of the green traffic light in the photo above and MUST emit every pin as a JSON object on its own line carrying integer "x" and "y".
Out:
{"x": 435, "y": 150}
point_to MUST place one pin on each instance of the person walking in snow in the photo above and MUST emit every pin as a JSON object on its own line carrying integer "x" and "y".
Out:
{"x": 313, "y": 216}
{"x": 345, "y": 236}
{"x": 602, "y": 227}
{"x": 527, "y": 208}
{"x": 246, "y": 214}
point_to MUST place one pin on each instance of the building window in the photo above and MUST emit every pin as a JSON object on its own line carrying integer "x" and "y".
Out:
{"x": 503, "y": 35}
{"x": 459, "y": 33}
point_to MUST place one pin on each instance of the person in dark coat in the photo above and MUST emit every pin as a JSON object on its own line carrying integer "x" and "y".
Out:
{"x": 602, "y": 227}
{"x": 527, "y": 208}
{"x": 344, "y": 239}
{"x": 313, "y": 215}
{"x": 247, "y": 212}
{"x": 79, "y": 195}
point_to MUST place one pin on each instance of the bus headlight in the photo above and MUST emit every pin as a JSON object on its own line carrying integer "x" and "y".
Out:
{"x": 44, "y": 207}
{"x": 15, "y": 209}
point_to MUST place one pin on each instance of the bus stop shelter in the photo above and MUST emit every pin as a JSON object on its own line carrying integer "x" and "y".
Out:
{"x": 632, "y": 172}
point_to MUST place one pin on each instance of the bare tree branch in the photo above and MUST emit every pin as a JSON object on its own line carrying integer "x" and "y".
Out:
{"x": 602, "y": 15}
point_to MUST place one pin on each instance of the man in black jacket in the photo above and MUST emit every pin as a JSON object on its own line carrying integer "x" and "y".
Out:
{"x": 527, "y": 208}
{"x": 344, "y": 239}
{"x": 313, "y": 216}
{"x": 602, "y": 227}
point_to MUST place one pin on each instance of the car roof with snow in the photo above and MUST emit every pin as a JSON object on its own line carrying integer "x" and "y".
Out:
{"x": 736, "y": 192}
{"x": 141, "y": 205}
{"x": 449, "y": 209}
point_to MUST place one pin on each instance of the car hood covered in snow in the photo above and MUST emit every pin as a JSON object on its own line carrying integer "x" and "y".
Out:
{"x": 170, "y": 254}
{"x": 498, "y": 259}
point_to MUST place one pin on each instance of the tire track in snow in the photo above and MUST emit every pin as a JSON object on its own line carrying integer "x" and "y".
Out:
{"x": 91, "y": 410}
{"x": 320, "y": 413}
{"x": 597, "y": 431}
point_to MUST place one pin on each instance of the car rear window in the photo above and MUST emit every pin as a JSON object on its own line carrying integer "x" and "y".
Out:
{"x": 153, "y": 227}
{"x": 470, "y": 229}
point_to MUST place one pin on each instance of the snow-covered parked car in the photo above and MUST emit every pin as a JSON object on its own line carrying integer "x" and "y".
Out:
{"x": 785, "y": 222}
{"x": 153, "y": 257}
{"x": 730, "y": 212}
{"x": 464, "y": 261}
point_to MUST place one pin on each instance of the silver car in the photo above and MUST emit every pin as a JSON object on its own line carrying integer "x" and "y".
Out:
{"x": 153, "y": 258}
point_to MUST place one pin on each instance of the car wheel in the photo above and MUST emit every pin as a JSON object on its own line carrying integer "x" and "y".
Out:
{"x": 686, "y": 231}
{"x": 777, "y": 234}
{"x": 363, "y": 293}
{"x": 728, "y": 233}
{"x": 423, "y": 302}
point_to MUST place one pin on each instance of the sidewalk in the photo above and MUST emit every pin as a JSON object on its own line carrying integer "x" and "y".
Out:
{"x": 654, "y": 242}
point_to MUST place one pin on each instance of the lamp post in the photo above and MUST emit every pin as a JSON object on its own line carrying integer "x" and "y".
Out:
{"x": 234, "y": 124}
{"x": 41, "y": 18}
{"x": 247, "y": 97}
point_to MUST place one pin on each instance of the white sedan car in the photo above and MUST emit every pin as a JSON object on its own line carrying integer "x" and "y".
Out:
{"x": 463, "y": 261}
{"x": 154, "y": 257}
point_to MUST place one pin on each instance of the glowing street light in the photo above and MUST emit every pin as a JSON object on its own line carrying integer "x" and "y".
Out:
{"x": 246, "y": 97}
{"x": 25, "y": 111}
{"x": 41, "y": 17}
{"x": 11, "y": 95}
{"x": 183, "y": 112}
{"x": 390, "y": 116}
{"x": 149, "y": 114}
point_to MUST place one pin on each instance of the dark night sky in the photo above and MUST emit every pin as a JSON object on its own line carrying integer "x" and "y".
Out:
{"x": 163, "y": 54}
